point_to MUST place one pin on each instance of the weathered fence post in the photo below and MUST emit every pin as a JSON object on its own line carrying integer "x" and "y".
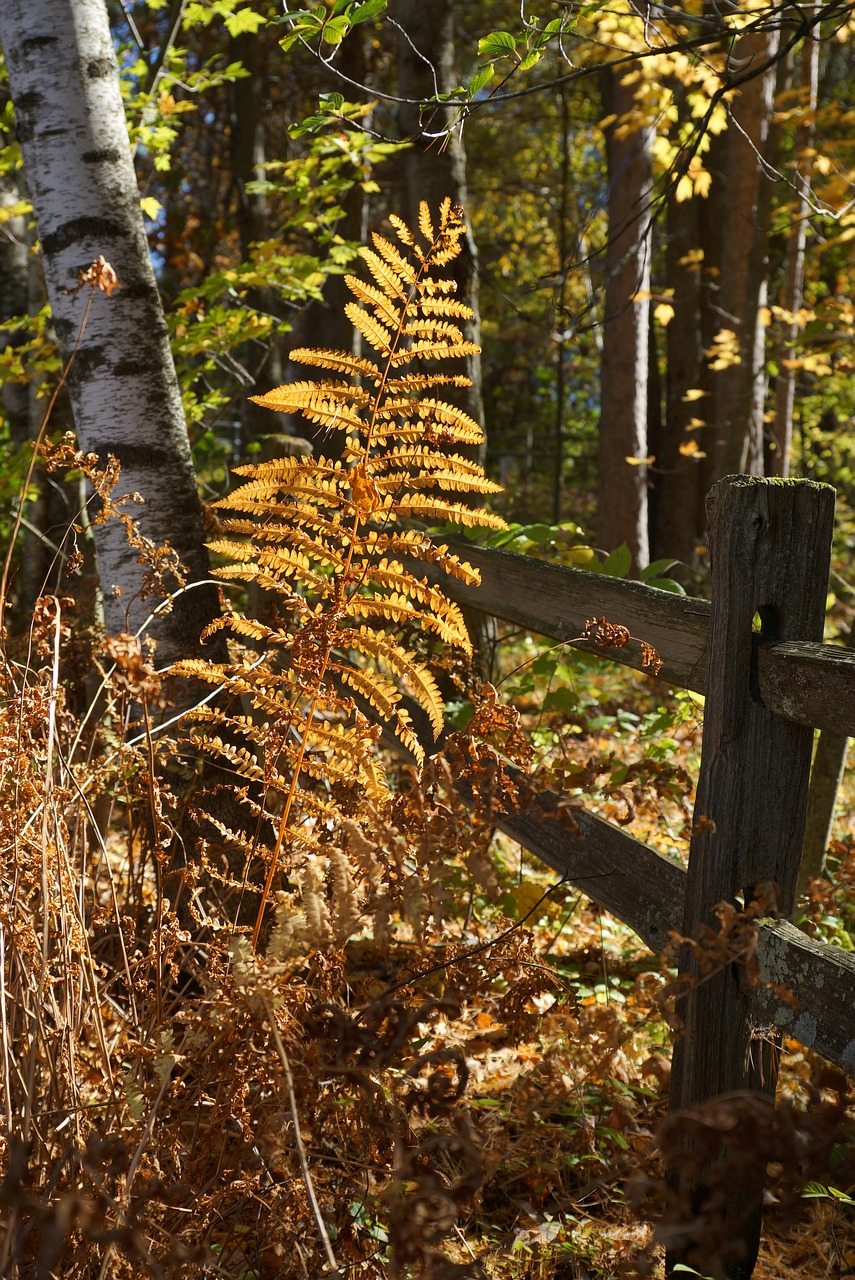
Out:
{"x": 770, "y": 545}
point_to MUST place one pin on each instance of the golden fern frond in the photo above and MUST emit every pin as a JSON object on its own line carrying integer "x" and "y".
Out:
{"x": 425, "y": 223}
{"x": 338, "y": 361}
{"x": 419, "y": 506}
{"x": 323, "y": 536}
{"x": 388, "y": 280}
{"x": 397, "y": 607}
{"x": 296, "y": 395}
{"x": 405, "y": 271}
{"x": 446, "y": 307}
{"x": 403, "y": 232}
{"x": 387, "y": 313}
{"x": 397, "y": 482}
{"x": 434, "y": 351}
{"x": 415, "y": 677}
{"x": 372, "y": 330}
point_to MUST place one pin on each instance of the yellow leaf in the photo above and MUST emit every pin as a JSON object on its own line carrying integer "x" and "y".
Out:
{"x": 691, "y": 449}
{"x": 685, "y": 189}
{"x": 151, "y": 207}
{"x": 703, "y": 182}
{"x": 694, "y": 394}
{"x": 641, "y": 462}
{"x": 664, "y": 313}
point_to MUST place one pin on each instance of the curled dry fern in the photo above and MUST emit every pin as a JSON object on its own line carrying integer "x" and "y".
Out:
{"x": 327, "y": 538}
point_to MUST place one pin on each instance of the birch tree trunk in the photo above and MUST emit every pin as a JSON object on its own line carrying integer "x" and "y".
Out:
{"x": 622, "y": 495}
{"x": 124, "y": 392}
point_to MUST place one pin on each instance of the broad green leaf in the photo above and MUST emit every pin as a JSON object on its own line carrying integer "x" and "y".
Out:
{"x": 484, "y": 76}
{"x": 530, "y": 60}
{"x": 657, "y": 568}
{"x": 335, "y": 30}
{"x": 368, "y": 10}
{"x": 497, "y": 44}
{"x": 618, "y": 563}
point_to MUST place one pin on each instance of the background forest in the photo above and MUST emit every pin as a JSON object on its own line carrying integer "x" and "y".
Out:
{"x": 266, "y": 1012}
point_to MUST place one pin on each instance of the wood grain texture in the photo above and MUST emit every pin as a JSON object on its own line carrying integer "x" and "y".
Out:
{"x": 646, "y": 892}
{"x": 770, "y": 544}
{"x": 622, "y": 874}
{"x": 810, "y": 683}
{"x": 555, "y": 601}
{"x": 807, "y": 682}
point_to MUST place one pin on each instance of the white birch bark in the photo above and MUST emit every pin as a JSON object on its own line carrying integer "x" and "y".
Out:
{"x": 124, "y": 391}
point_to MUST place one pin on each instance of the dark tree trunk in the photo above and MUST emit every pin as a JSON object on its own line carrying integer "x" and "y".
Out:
{"x": 622, "y": 491}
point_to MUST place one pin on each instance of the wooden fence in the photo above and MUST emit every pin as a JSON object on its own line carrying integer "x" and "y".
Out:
{"x": 765, "y": 691}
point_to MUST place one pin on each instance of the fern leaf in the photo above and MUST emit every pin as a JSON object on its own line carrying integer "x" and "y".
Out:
{"x": 449, "y": 480}
{"x": 436, "y": 330}
{"x": 425, "y": 224}
{"x": 446, "y": 307}
{"x": 372, "y": 331}
{"x": 434, "y": 351}
{"x": 338, "y": 361}
{"x": 388, "y": 280}
{"x": 406, "y": 273}
{"x": 413, "y": 383}
{"x": 457, "y": 424}
{"x": 376, "y": 689}
{"x": 425, "y": 507}
{"x": 403, "y": 232}
{"x": 387, "y": 313}
{"x": 415, "y": 677}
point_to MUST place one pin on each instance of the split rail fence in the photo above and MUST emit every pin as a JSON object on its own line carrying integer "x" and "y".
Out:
{"x": 765, "y": 692}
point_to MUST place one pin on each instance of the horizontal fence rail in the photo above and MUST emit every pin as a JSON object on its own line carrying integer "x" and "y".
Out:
{"x": 811, "y": 684}
{"x": 646, "y": 891}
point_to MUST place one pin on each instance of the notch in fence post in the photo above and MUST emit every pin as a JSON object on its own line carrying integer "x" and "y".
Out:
{"x": 770, "y": 543}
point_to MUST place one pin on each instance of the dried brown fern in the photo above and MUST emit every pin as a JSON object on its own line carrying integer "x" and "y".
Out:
{"x": 325, "y": 537}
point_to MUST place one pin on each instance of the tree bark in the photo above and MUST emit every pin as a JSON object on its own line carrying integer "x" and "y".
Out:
{"x": 791, "y": 296}
{"x": 622, "y": 491}
{"x": 124, "y": 392}
{"x": 436, "y": 165}
{"x": 677, "y": 524}
{"x": 743, "y": 268}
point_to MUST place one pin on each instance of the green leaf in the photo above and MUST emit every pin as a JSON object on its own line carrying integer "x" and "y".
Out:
{"x": 244, "y": 21}
{"x": 618, "y": 563}
{"x": 560, "y": 699}
{"x": 666, "y": 584}
{"x": 497, "y": 44}
{"x": 530, "y": 60}
{"x": 484, "y": 76}
{"x": 368, "y": 10}
{"x": 335, "y": 30}
{"x": 657, "y": 568}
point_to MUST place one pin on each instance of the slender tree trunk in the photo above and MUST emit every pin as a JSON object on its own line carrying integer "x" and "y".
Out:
{"x": 743, "y": 269}
{"x": 791, "y": 296}
{"x": 436, "y": 165}
{"x": 622, "y": 492}
{"x": 678, "y": 476}
{"x": 124, "y": 392}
